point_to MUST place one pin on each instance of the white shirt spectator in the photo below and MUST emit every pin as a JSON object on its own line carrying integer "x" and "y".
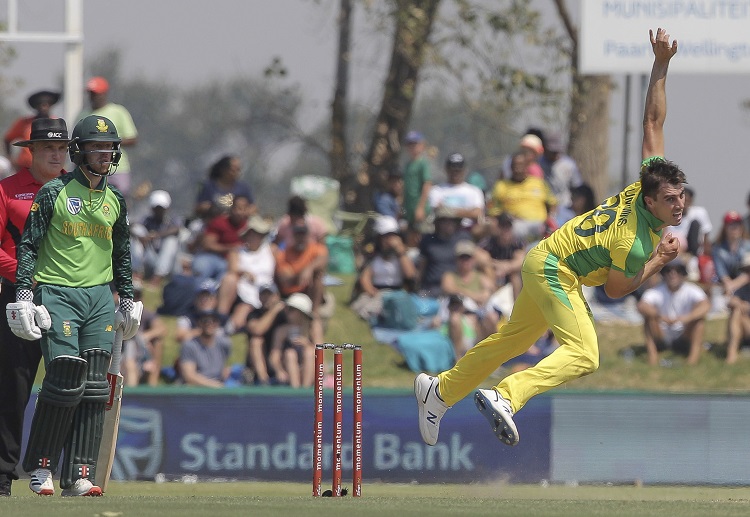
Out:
{"x": 673, "y": 305}
{"x": 694, "y": 214}
{"x": 386, "y": 272}
{"x": 261, "y": 265}
{"x": 462, "y": 195}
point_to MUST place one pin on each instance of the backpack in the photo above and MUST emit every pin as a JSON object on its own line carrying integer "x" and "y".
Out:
{"x": 399, "y": 311}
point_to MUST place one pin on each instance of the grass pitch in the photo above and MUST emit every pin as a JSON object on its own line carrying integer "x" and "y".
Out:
{"x": 287, "y": 499}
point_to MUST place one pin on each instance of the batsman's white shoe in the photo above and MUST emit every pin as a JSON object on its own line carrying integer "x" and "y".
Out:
{"x": 41, "y": 482}
{"x": 431, "y": 407}
{"x": 498, "y": 413}
{"x": 82, "y": 487}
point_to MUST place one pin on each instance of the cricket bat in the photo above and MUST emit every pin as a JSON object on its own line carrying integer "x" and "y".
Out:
{"x": 106, "y": 456}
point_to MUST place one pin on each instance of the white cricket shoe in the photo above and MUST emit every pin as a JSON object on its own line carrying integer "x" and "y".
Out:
{"x": 498, "y": 413}
{"x": 82, "y": 487}
{"x": 41, "y": 482}
{"x": 431, "y": 407}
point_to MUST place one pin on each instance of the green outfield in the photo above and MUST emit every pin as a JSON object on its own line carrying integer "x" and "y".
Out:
{"x": 286, "y": 499}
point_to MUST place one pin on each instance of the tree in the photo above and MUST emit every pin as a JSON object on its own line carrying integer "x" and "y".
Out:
{"x": 340, "y": 169}
{"x": 588, "y": 143}
{"x": 413, "y": 23}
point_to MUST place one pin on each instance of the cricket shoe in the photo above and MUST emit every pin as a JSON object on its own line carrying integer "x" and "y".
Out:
{"x": 498, "y": 413}
{"x": 431, "y": 407}
{"x": 5, "y": 487}
{"x": 82, "y": 487}
{"x": 41, "y": 482}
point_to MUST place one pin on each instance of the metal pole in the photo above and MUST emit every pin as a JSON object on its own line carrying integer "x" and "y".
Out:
{"x": 73, "y": 87}
{"x": 626, "y": 134}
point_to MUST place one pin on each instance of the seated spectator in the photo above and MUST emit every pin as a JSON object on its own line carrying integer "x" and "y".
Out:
{"x": 506, "y": 252}
{"x": 527, "y": 198}
{"x": 248, "y": 267}
{"x": 466, "y": 200}
{"x": 292, "y": 354}
{"x": 155, "y": 241}
{"x": 582, "y": 201}
{"x": 300, "y": 268}
{"x": 388, "y": 201}
{"x": 468, "y": 291}
{"x": 728, "y": 251}
{"x": 389, "y": 269}
{"x": 204, "y": 300}
{"x": 217, "y": 193}
{"x": 261, "y": 326}
{"x": 437, "y": 251}
{"x": 674, "y": 312}
{"x": 297, "y": 215}
{"x": 204, "y": 359}
{"x": 221, "y": 236}
{"x": 142, "y": 355}
{"x": 739, "y": 315}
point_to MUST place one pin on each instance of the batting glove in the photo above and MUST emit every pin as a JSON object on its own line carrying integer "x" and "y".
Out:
{"x": 128, "y": 317}
{"x": 25, "y": 319}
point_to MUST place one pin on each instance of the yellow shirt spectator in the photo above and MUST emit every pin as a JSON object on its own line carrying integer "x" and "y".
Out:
{"x": 527, "y": 200}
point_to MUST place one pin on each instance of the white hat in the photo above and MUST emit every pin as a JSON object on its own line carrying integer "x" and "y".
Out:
{"x": 532, "y": 142}
{"x": 386, "y": 224}
{"x": 160, "y": 198}
{"x": 301, "y": 302}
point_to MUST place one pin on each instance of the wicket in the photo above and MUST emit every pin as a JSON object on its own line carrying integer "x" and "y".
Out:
{"x": 338, "y": 413}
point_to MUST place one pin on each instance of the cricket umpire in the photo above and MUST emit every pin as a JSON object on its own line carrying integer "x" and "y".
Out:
{"x": 19, "y": 359}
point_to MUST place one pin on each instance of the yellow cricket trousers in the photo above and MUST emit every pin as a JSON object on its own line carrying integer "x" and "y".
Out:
{"x": 551, "y": 298}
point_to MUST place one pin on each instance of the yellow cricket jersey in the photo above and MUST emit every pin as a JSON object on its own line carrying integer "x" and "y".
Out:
{"x": 526, "y": 200}
{"x": 620, "y": 233}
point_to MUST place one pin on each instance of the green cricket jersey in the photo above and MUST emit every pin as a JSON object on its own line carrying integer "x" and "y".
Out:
{"x": 620, "y": 233}
{"x": 76, "y": 237}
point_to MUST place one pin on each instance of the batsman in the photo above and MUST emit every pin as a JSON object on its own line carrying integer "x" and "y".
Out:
{"x": 74, "y": 244}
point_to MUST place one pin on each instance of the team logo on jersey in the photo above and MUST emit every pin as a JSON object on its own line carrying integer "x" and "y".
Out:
{"x": 101, "y": 126}
{"x": 34, "y": 207}
{"x": 106, "y": 210}
{"x": 108, "y": 328}
{"x": 25, "y": 195}
{"x": 67, "y": 332}
{"x": 74, "y": 205}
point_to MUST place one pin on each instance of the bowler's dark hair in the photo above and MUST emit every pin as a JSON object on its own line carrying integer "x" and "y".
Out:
{"x": 656, "y": 171}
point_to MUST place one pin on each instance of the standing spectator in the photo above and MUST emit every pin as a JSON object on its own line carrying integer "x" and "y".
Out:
{"x": 41, "y": 102}
{"x": 249, "y": 267}
{"x": 142, "y": 355}
{"x": 221, "y": 236}
{"x": 674, "y": 311}
{"x": 292, "y": 355}
{"x": 261, "y": 326}
{"x": 437, "y": 251}
{"x": 297, "y": 214}
{"x": 19, "y": 358}
{"x": 204, "y": 360}
{"x": 468, "y": 290}
{"x": 155, "y": 242}
{"x": 466, "y": 200}
{"x": 527, "y": 198}
{"x": 388, "y": 202}
{"x": 728, "y": 251}
{"x": 560, "y": 170}
{"x": 98, "y": 90}
{"x": 75, "y": 242}
{"x": 218, "y": 192}
{"x": 739, "y": 315}
{"x": 417, "y": 180}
